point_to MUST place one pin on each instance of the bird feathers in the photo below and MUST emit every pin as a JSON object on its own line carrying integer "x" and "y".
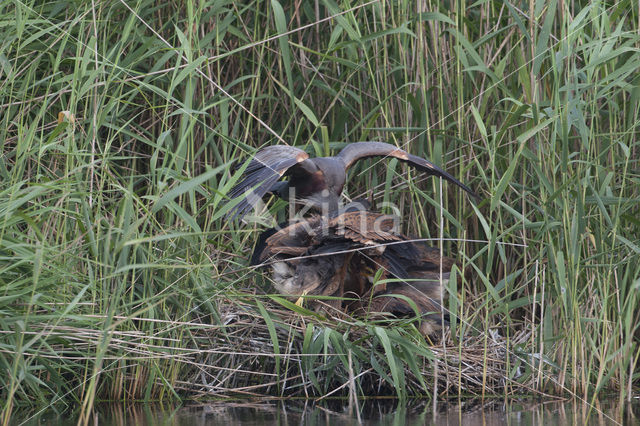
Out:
{"x": 340, "y": 256}
{"x": 261, "y": 174}
{"x": 359, "y": 150}
{"x": 313, "y": 175}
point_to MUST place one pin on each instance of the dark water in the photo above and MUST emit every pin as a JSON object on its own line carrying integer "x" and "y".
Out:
{"x": 372, "y": 412}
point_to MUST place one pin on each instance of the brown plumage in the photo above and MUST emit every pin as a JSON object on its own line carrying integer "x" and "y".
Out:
{"x": 339, "y": 257}
{"x": 320, "y": 179}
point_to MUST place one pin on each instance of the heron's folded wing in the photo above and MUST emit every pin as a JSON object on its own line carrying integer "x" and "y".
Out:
{"x": 365, "y": 227}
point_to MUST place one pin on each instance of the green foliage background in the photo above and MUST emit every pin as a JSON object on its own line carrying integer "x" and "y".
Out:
{"x": 113, "y": 251}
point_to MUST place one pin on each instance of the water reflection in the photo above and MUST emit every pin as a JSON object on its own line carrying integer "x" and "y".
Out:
{"x": 371, "y": 412}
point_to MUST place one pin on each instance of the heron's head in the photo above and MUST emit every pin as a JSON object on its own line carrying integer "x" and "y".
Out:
{"x": 294, "y": 281}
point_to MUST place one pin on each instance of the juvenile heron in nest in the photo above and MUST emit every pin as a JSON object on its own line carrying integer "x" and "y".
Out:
{"x": 320, "y": 179}
{"x": 339, "y": 257}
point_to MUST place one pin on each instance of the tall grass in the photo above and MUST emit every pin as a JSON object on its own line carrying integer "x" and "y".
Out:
{"x": 120, "y": 278}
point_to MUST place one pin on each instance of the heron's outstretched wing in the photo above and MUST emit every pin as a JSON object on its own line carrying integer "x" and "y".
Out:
{"x": 359, "y": 150}
{"x": 263, "y": 171}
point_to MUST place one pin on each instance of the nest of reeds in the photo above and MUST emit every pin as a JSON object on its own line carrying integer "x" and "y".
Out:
{"x": 269, "y": 350}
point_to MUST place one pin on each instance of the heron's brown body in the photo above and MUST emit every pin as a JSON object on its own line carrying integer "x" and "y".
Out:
{"x": 339, "y": 257}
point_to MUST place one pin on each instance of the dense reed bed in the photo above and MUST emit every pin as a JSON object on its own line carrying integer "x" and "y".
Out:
{"x": 119, "y": 119}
